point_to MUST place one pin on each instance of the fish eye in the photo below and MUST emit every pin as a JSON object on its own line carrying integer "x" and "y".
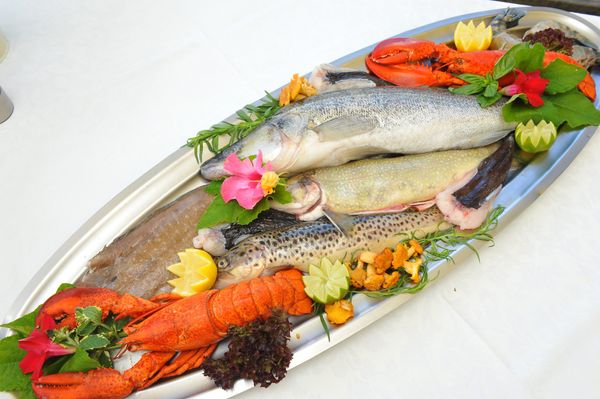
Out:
{"x": 222, "y": 264}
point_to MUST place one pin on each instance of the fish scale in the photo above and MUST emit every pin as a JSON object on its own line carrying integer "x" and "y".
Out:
{"x": 307, "y": 243}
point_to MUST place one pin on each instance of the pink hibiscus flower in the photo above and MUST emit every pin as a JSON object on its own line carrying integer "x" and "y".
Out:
{"x": 250, "y": 182}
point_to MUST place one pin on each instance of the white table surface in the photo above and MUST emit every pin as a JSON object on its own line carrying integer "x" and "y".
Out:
{"x": 103, "y": 90}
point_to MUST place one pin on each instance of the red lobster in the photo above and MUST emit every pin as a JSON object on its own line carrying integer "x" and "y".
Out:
{"x": 180, "y": 333}
{"x": 401, "y": 61}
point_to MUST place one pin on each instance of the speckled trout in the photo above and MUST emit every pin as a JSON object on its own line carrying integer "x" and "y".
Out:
{"x": 340, "y": 126}
{"x": 306, "y": 243}
{"x": 380, "y": 185}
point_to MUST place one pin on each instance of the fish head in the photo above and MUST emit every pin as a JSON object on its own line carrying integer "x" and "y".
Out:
{"x": 278, "y": 139}
{"x": 243, "y": 262}
{"x": 307, "y": 196}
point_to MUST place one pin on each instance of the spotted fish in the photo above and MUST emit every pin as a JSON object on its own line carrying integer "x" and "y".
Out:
{"x": 306, "y": 243}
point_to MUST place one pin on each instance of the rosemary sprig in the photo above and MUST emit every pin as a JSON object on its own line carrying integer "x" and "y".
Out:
{"x": 249, "y": 118}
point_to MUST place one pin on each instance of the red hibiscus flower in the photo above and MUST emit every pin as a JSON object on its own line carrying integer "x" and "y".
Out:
{"x": 40, "y": 347}
{"x": 530, "y": 84}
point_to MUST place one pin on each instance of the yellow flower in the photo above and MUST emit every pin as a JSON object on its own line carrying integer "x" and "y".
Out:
{"x": 268, "y": 182}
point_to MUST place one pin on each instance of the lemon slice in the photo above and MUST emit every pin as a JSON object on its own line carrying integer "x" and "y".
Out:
{"x": 535, "y": 138}
{"x": 468, "y": 37}
{"x": 196, "y": 270}
{"x": 327, "y": 282}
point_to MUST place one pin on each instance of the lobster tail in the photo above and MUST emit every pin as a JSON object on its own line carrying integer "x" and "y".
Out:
{"x": 206, "y": 317}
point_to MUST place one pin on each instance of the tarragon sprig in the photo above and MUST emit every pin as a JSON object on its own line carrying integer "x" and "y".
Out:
{"x": 249, "y": 118}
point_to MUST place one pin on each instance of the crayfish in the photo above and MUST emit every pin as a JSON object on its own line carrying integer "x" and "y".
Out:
{"x": 411, "y": 62}
{"x": 179, "y": 333}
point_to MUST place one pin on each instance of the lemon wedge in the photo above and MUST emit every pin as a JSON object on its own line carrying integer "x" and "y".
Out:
{"x": 468, "y": 37}
{"x": 196, "y": 270}
{"x": 533, "y": 137}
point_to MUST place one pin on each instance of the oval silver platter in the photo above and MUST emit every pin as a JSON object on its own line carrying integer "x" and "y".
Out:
{"x": 178, "y": 174}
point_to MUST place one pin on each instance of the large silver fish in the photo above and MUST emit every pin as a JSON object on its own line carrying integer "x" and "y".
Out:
{"x": 306, "y": 243}
{"x": 340, "y": 126}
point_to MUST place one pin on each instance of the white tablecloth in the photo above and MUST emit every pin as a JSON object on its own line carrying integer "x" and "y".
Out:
{"x": 103, "y": 90}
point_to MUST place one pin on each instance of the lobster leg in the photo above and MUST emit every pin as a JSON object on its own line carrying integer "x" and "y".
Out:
{"x": 186, "y": 361}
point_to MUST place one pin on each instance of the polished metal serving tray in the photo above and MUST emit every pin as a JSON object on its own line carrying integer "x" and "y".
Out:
{"x": 178, "y": 174}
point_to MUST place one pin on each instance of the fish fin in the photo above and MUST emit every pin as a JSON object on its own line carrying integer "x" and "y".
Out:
{"x": 343, "y": 127}
{"x": 343, "y": 223}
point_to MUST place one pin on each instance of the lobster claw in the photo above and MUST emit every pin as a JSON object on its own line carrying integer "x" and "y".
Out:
{"x": 412, "y": 75}
{"x": 402, "y": 50}
{"x": 95, "y": 384}
{"x": 61, "y": 306}
{"x": 402, "y": 61}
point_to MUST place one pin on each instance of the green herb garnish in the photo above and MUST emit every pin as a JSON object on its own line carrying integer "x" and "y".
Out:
{"x": 563, "y": 102}
{"x": 249, "y": 118}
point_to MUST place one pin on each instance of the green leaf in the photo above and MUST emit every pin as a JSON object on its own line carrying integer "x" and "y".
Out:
{"x": 491, "y": 89}
{"x": 249, "y": 215}
{"x": 214, "y": 187}
{"x": 219, "y": 212}
{"x": 105, "y": 359}
{"x": 530, "y": 59}
{"x": 507, "y": 62}
{"x": 517, "y": 111}
{"x": 576, "y": 108}
{"x": 87, "y": 319}
{"x": 467, "y": 89}
{"x": 54, "y": 365}
{"x": 522, "y": 57}
{"x": 281, "y": 195}
{"x": 522, "y": 96}
{"x": 24, "y": 324}
{"x": 11, "y": 376}
{"x": 487, "y": 101}
{"x": 93, "y": 341}
{"x": 64, "y": 286}
{"x": 27, "y": 393}
{"x": 571, "y": 107}
{"x": 472, "y": 78}
{"x": 92, "y": 314}
{"x": 563, "y": 76}
{"x": 79, "y": 361}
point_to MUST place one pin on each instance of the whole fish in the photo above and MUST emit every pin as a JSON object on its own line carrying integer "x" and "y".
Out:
{"x": 306, "y": 243}
{"x": 380, "y": 185}
{"x": 136, "y": 261}
{"x": 340, "y": 126}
